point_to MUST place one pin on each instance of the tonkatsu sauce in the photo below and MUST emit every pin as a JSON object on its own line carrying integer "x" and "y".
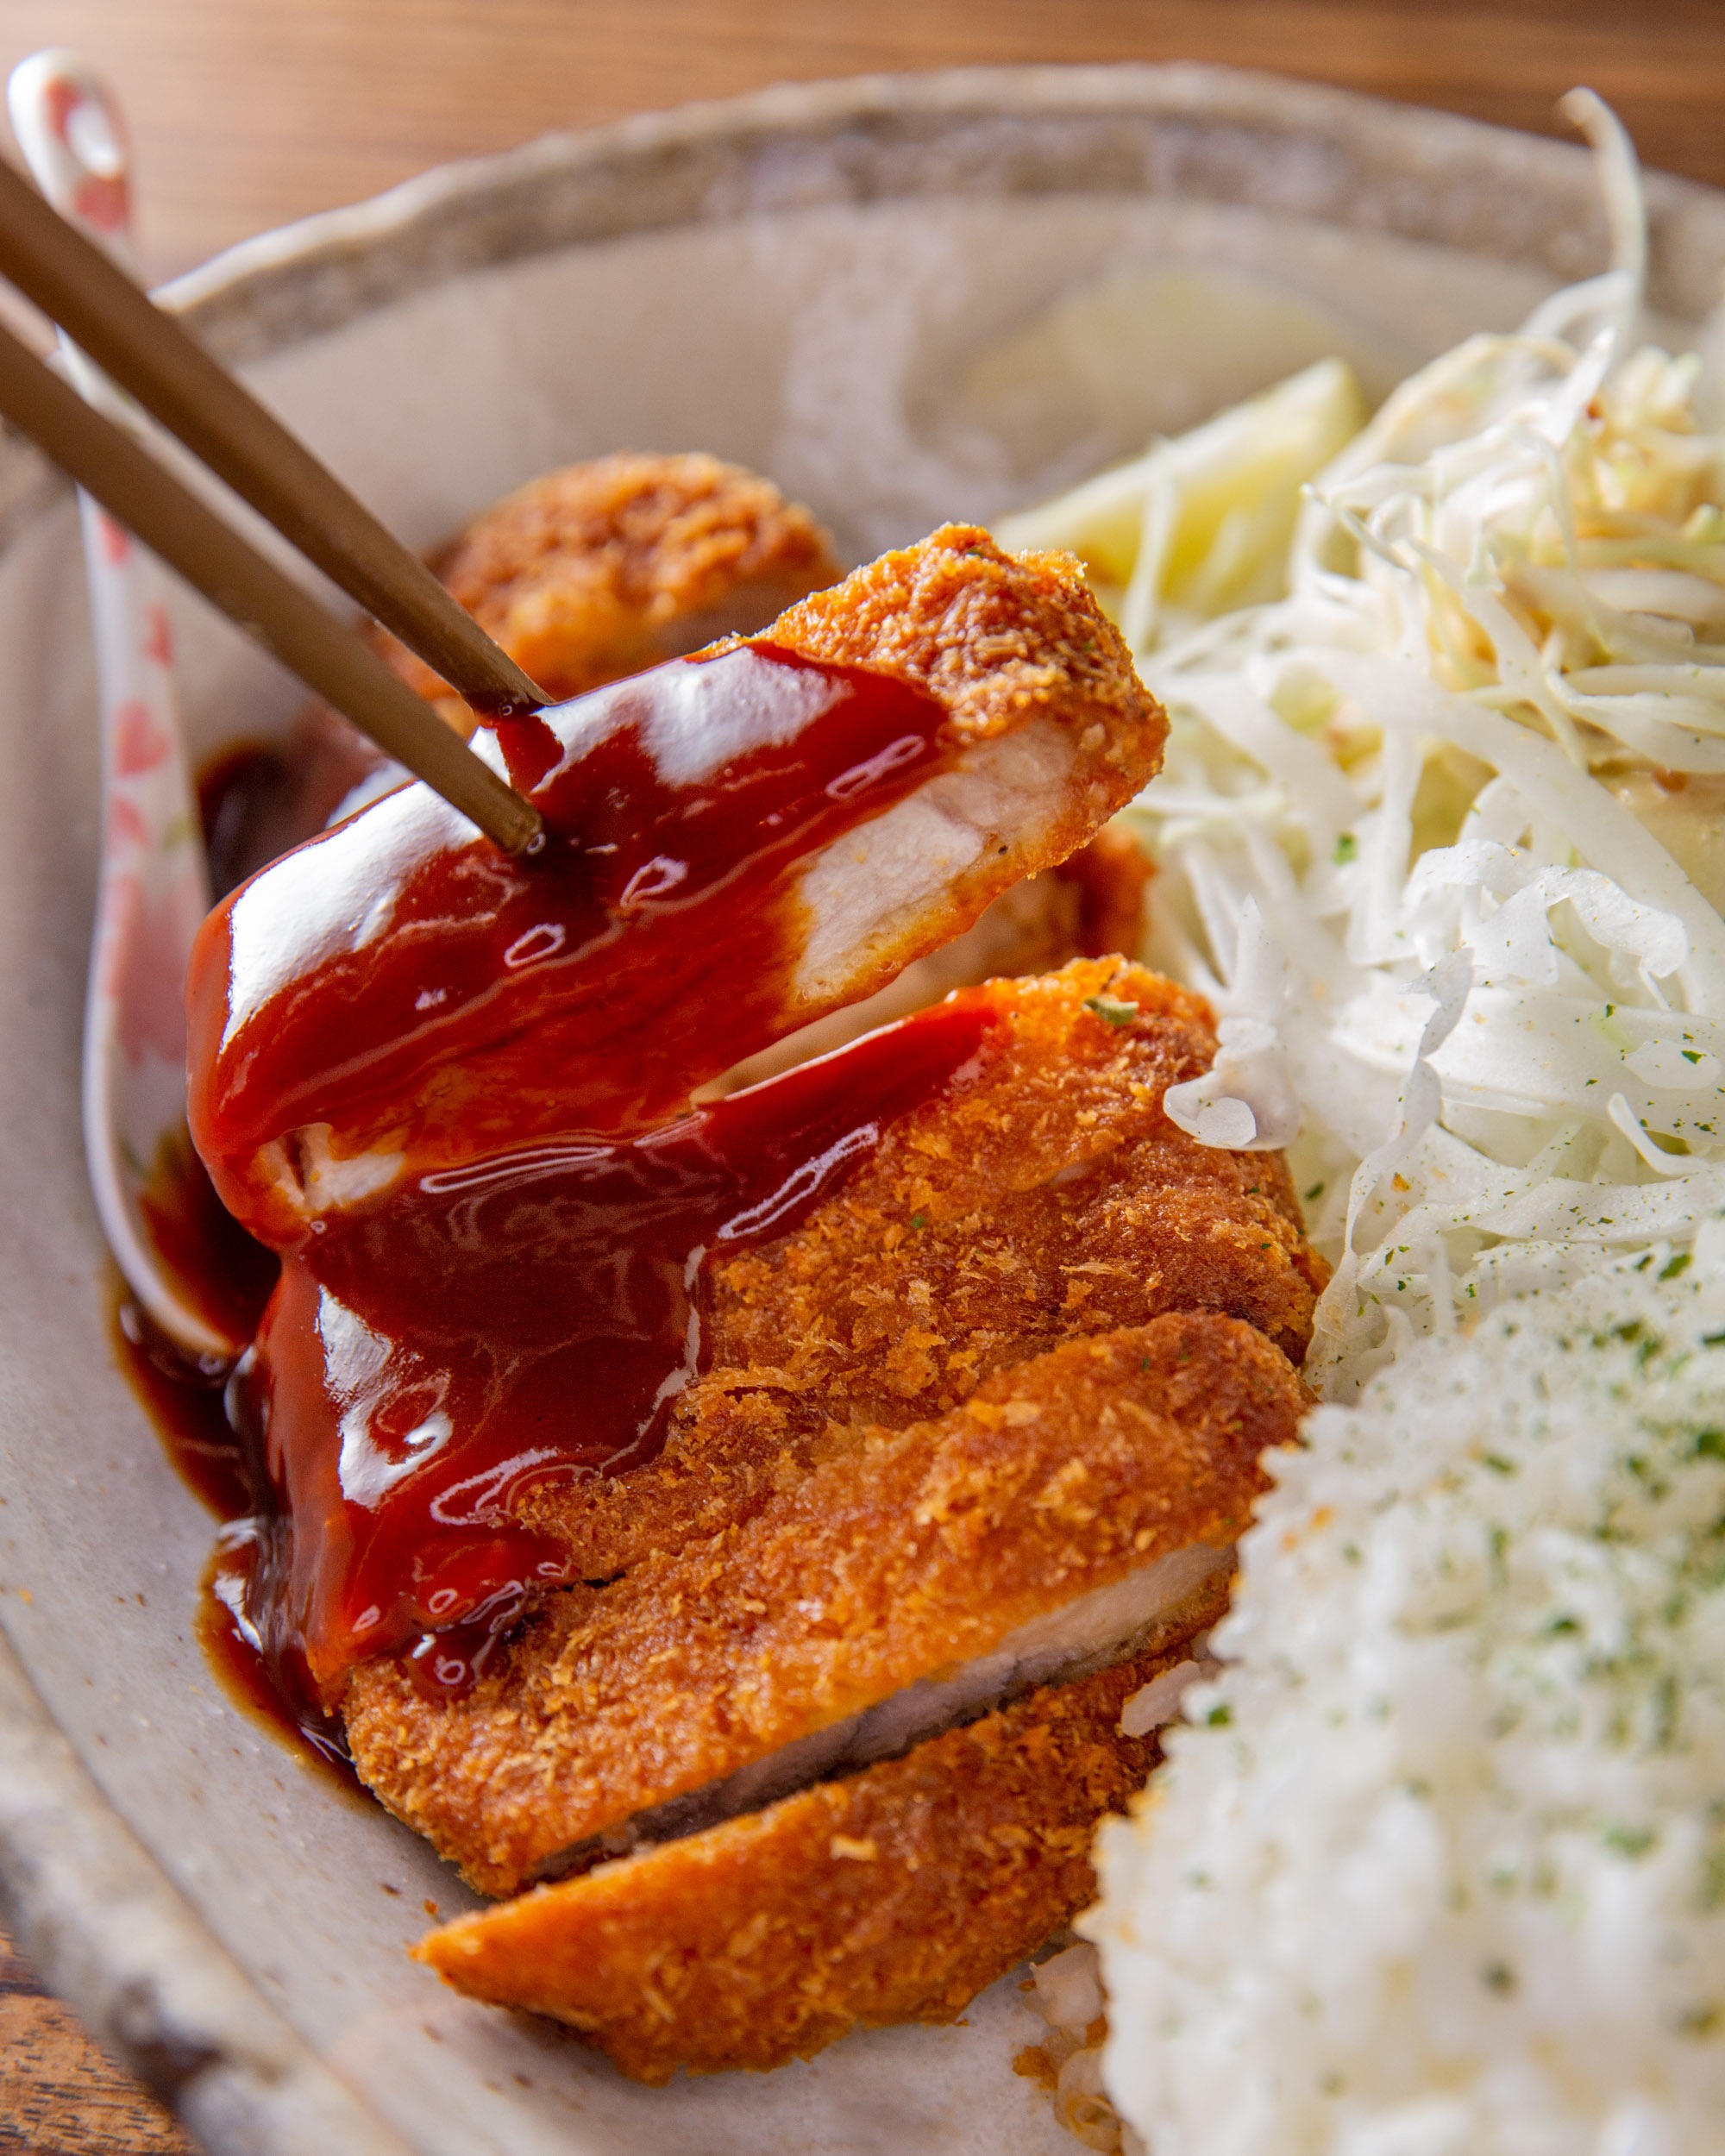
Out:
{"x": 647, "y": 949}
{"x": 184, "y": 1395}
{"x": 521, "y": 1296}
{"x": 219, "y": 1270}
{"x": 525, "y": 1319}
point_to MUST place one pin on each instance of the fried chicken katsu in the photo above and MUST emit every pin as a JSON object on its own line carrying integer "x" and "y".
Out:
{"x": 1080, "y": 1508}
{"x": 708, "y": 1510}
{"x": 1050, "y": 1199}
{"x": 677, "y": 1958}
{"x": 984, "y": 720}
{"x": 599, "y": 570}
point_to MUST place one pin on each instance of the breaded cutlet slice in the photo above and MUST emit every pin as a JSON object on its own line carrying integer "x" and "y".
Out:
{"x": 1054, "y": 729}
{"x": 893, "y": 1896}
{"x": 298, "y": 1099}
{"x": 958, "y": 1551}
{"x": 1049, "y": 1198}
{"x": 597, "y": 570}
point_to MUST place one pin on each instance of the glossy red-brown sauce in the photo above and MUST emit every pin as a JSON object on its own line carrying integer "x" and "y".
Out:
{"x": 527, "y": 1297}
{"x": 648, "y": 949}
{"x": 186, "y": 1401}
{"x": 527, "y": 1319}
{"x": 223, "y": 1273}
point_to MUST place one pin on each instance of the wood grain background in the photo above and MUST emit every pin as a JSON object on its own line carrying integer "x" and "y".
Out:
{"x": 60, "y": 2095}
{"x": 248, "y": 113}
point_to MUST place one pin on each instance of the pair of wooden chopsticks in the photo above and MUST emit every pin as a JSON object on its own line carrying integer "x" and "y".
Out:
{"x": 148, "y": 354}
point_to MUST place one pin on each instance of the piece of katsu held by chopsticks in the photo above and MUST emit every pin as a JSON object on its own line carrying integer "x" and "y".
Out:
{"x": 748, "y": 839}
{"x": 599, "y": 570}
{"x": 895, "y": 1894}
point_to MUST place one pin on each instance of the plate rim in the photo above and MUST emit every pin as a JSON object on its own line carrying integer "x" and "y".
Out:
{"x": 654, "y": 170}
{"x": 1392, "y": 165}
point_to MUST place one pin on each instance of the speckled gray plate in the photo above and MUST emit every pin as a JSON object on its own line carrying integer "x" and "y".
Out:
{"x": 806, "y": 281}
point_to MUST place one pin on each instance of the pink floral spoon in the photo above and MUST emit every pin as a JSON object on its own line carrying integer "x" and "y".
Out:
{"x": 154, "y": 884}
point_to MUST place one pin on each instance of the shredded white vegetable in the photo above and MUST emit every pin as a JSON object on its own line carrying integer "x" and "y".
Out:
{"x": 1441, "y": 829}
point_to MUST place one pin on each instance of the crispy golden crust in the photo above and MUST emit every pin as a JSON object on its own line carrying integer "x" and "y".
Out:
{"x": 995, "y": 636}
{"x": 904, "y": 1554}
{"x": 1055, "y": 733}
{"x": 594, "y": 572}
{"x": 1052, "y": 1197}
{"x": 895, "y": 1895}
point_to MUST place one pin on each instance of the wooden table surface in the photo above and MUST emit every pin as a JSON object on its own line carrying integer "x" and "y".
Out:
{"x": 248, "y": 113}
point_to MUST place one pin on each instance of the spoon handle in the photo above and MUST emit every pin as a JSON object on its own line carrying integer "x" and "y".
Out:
{"x": 154, "y": 888}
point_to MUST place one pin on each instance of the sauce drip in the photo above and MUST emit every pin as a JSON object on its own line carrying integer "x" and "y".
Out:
{"x": 525, "y": 1319}
{"x": 521, "y": 1295}
{"x": 224, "y": 1274}
{"x": 652, "y": 945}
{"x": 184, "y": 1396}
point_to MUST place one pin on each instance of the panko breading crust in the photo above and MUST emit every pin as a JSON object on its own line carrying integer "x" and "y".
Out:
{"x": 1050, "y": 1198}
{"x": 893, "y": 1896}
{"x": 600, "y": 569}
{"x": 994, "y": 636}
{"x": 905, "y": 1554}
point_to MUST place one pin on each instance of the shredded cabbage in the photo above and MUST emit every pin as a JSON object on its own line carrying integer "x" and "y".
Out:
{"x": 1441, "y": 827}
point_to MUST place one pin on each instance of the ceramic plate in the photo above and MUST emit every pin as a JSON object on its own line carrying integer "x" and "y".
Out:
{"x": 868, "y": 290}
